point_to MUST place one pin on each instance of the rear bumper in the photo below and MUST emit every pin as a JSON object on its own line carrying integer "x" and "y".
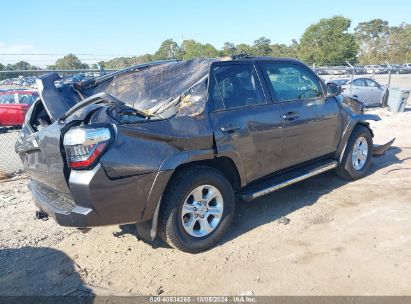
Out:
{"x": 95, "y": 199}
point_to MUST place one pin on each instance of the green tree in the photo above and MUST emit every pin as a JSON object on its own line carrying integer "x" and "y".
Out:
{"x": 169, "y": 49}
{"x": 281, "y": 50}
{"x": 22, "y": 65}
{"x": 243, "y": 48}
{"x": 229, "y": 49}
{"x": 193, "y": 49}
{"x": 328, "y": 42}
{"x": 262, "y": 47}
{"x": 2, "y": 76}
{"x": 69, "y": 62}
{"x": 399, "y": 45}
{"x": 372, "y": 37}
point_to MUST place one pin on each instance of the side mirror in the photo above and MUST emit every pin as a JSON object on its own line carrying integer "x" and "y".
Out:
{"x": 333, "y": 89}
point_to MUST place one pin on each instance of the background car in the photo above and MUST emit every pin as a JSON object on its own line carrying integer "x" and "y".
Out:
{"x": 399, "y": 69}
{"x": 375, "y": 69}
{"x": 14, "y": 105}
{"x": 359, "y": 70}
{"x": 368, "y": 90}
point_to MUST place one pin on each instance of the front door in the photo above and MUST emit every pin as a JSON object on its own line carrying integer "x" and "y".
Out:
{"x": 311, "y": 120}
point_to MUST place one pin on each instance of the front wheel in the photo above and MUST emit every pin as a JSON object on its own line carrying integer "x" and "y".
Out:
{"x": 197, "y": 209}
{"x": 358, "y": 154}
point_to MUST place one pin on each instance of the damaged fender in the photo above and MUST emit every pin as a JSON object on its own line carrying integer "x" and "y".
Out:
{"x": 354, "y": 120}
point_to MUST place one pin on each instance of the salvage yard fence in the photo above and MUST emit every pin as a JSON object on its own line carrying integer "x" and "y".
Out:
{"x": 10, "y": 162}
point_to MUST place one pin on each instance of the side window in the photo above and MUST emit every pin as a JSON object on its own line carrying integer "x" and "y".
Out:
{"x": 7, "y": 99}
{"x": 214, "y": 96}
{"x": 358, "y": 83}
{"x": 370, "y": 83}
{"x": 27, "y": 98}
{"x": 291, "y": 82}
{"x": 236, "y": 86}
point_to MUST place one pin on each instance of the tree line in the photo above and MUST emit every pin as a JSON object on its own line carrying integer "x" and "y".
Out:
{"x": 327, "y": 42}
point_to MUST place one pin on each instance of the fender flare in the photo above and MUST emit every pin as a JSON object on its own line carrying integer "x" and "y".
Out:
{"x": 355, "y": 120}
{"x": 147, "y": 227}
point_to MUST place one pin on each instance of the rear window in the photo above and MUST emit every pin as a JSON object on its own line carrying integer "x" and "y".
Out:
{"x": 7, "y": 98}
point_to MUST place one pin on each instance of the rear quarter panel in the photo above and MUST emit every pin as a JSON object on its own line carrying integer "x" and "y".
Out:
{"x": 158, "y": 145}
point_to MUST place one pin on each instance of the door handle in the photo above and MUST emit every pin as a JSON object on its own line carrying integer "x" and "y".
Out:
{"x": 290, "y": 116}
{"x": 230, "y": 128}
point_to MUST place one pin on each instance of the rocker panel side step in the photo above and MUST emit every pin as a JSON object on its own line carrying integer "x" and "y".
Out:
{"x": 288, "y": 179}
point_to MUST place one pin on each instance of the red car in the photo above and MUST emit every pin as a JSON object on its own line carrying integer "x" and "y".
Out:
{"x": 14, "y": 105}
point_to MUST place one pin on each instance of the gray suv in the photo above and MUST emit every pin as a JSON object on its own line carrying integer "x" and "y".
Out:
{"x": 172, "y": 145}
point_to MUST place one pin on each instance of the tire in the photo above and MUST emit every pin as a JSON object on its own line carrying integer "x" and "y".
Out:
{"x": 188, "y": 230}
{"x": 349, "y": 168}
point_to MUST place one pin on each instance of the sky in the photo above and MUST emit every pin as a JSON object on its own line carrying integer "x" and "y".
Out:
{"x": 102, "y": 29}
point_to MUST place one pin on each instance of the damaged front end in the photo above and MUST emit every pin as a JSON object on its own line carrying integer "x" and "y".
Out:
{"x": 354, "y": 104}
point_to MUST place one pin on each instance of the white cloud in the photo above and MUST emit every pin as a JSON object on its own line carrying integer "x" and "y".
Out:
{"x": 14, "y": 48}
{"x": 9, "y": 52}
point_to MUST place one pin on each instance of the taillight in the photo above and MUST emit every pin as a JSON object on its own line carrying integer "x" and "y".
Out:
{"x": 84, "y": 145}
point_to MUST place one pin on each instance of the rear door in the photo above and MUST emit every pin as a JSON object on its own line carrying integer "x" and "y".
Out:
{"x": 246, "y": 125}
{"x": 310, "y": 119}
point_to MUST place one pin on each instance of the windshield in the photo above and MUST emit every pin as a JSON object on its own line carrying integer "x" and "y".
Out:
{"x": 155, "y": 87}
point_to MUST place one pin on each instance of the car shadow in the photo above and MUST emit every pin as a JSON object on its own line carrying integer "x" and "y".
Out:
{"x": 42, "y": 275}
{"x": 276, "y": 206}
{"x": 279, "y": 204}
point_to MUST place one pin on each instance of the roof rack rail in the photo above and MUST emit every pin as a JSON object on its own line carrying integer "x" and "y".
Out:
{"x": 240, "y": 56}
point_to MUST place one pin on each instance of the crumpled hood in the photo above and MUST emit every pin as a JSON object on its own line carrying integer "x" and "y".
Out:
{"x": 353, "y": 103}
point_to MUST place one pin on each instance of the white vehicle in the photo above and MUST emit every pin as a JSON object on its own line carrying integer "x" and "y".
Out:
{"x": 374, "y": 69}
{"x": 368, "y": 90}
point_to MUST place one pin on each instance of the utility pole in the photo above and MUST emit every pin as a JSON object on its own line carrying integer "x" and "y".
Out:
{"x": 352, "y": 74}
{"x": 182, "y": 46}
{"x": 389, "y": 74}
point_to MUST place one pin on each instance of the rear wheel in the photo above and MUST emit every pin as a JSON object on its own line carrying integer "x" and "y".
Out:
{"x": 197, "y": 209}
{"x": 358, "y": 153}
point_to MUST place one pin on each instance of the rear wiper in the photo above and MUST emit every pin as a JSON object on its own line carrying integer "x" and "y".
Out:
{"x": 99, "y": 97}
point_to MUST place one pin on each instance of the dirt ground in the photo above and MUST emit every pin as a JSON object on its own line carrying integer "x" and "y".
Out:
{"x": 342, "y": 238}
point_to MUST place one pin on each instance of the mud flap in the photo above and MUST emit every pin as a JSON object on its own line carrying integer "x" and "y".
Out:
{"x": 143, "y": 231}
{"x": 147, "y": 231}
